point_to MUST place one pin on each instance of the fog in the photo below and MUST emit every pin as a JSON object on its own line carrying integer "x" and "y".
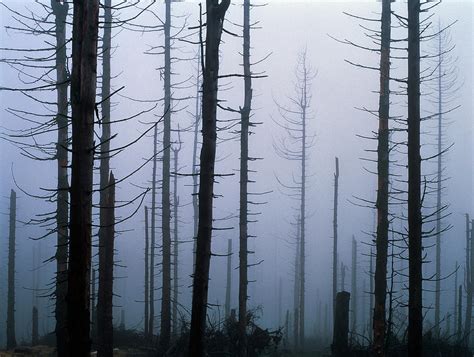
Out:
{"x": 337, "y": 120}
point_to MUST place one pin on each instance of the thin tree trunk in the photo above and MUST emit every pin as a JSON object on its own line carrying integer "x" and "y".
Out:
{"x": 197, "y": 121}
{"x": 297, "y": 287}
{"x": 34, "y": 326}
{"x": 165, "y": 332}
{"x": 60, "y": 11}
{"x": 456, "y": 316}
{"x": 244, "y": 158}
{"x": 103, "y": 348}
{"x": 83, "y": 92}
{"x": 469, "y": 281}
{"x": 380, "y": 277}
{"x": 105, "y": 299}
{"x": 415, "y": 314}
{"x": 354, "y": 286}
{"x": 11, "y": 336}
{"x": 151, "y": 321}
{"x": 215, "y": 13}
{"x": 334, "y": 228}
{"x": 147, "y": 273}
{"x": 229, "y": 278}
{"x": 459, "y": 329}
{"x": 175, "y": 244}
{"x": 93, "y": 308}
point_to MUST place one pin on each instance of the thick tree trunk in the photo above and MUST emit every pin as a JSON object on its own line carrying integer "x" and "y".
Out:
{"x": 103, "y": 333}
{"x": 165, "y": 325}
{"x": 228, "y": 287}
{"x": 334, "y": 228}
{"x": 354, "y": 287}
{"x": 147, "y": 273}
{"x": 215, "y": 13}
{"x": 175, "y": 245}
{"x": 60, "y": 11}
{"x": 83, "y": 92}
{"x": 380, "y": 278}
{"x": 415, "y": 314}
{"x": 34, "y": 326}
{"x": 11, "y": 336}
{"x": 244, "y": 158}
{"x": 105, "y": 336}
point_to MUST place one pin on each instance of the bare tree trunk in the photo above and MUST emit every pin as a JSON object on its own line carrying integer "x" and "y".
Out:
{"x": 197, "y": 121}
{"x": 415, "y": 315}
{"x": 175, "y": 243}
{"x": 334, "y": 228}
{"x": 60, "y": 11}
{"x": 34, "y": 327}
{"x": 147, "y": 273}
{"x": 103, "y": 333}
{"x": 229, "y": 278}
{"x": 105, "y": 299}
{"x": 297, "y": 287}
{"x": 244, "y": 158}
{"x": 343, "y": 277}
{"x": 11, "y": 336}
{"x": 93, "y": 308}
{"x": 215, "y": 13}
{"x": 469, "y": 281}
{"x": 165, "y": 332}
{"x": 380, "y": 278}
{"x": 83, "y": 92}
{"x": 354, "y": 286}
{"x": 371, "y": 286}
{"x": 456, "y": 316}
{"x": 339, "y": 345}
{"x": 459, "y": 328}
{"x": 151, "y": 321}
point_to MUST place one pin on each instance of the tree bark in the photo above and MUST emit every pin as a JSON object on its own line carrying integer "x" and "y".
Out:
{"x": 244, "y": 157}
{"x": 105, "y": 299}
{"x": 383, "y": 166}
{"x": 165, "y": 325}
{"x": 103, "y": 333}
{"x": 83, "y": 92}
{"x": 415, "y": 315}
{"x": 147, "y": 278}
{"x": 229, "y": 278}
{"x": 215, "y": 13}
{"x": 11, "y": 335}
{"x": 60, "y": 11}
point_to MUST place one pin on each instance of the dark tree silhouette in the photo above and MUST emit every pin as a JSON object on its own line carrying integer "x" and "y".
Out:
{"x": 334, "y": 230}
{"x": 11, "y": 337}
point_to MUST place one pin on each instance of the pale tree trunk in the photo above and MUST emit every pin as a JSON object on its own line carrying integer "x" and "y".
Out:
{"x": 102, "y": 309}
{"x": 83, "y": 93}
{"x": 60, "y": 11}
{"x": 151, "y": 321}
{"x": 415, "y": 313}
{"x": 228, "y": 287}
{"x": 147, "y": 273}
{"x": 354, "y": 286}
{"x": 244, "y": 158}
{"x": 215, "y": 13}
{"x": 11, "y": 335}
{"x": 175, "y": 244}
{"x": 383, "y": 162}
{"x": 297, "y": 286}
{"x": 105, "y": 298}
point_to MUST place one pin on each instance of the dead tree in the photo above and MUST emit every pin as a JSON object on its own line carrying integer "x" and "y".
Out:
{"x": 103, "y": 334}
{"x": 105, "y": 346}
{"x": 296, "y": 147}
{"x": 60, "y": 11}
{"x": 334, "y": 230}
{"x": 176, "y": 149}
{"x": 469, "y": 281}
{"x": 34, "y": 327}
{"x": 456, "y": 317}
{"x": 195, "y": 173}
{"x": 339, "y": 346}
{"x": 354, "y": 286}
{"x": 147, "y": 272}
{"x": 215, "y": 13}
{"x": 228, "y": 287}
{"x": 415, "y": 315}
{"x": 297, "y": 285}
{"x": 83, "y": 92}
{"x": 459, "y": 325}
{"x": 165, "y": 330}
{"x": 383, "y": 161}
{"x": 11, "y": 338}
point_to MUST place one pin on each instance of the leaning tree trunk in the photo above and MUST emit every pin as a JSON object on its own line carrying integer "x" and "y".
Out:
{"x": 165, "y": 332}
{"x": 381, "y": 245}
{"x": 83, "y": 92}
{"x": 334, "y": 228}
{"x": 147, "y": 278}
{"x": 60, "y": 11}
{"x": 415, "y": 314}
{"x": 103, "y": 333}
{"x": 11, "y": 338}
{"x": 228, "y": 287}
{"x": 244, "y": 178}
{"x": 215, "y": 13}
